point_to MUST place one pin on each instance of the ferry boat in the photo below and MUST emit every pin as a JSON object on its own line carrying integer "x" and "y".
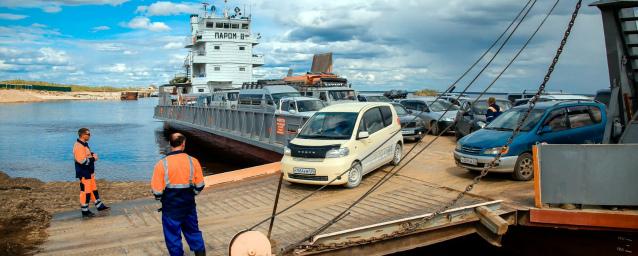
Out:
{"x": 221, "y": 51}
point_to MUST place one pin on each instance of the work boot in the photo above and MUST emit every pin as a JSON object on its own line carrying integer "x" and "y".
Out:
{"x": 87, "y": 214}
{"x": 103, "y": 207}
{"x": 201, "y": 253}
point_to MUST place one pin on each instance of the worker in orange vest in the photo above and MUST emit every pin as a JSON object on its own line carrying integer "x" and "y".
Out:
{"x": 85, "y": 171}
{"x": 177, "y": 179}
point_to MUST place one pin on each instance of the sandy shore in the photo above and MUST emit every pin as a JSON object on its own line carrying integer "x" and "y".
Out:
{"x": 27, "y": 205}
{"x": 13, "y": 96}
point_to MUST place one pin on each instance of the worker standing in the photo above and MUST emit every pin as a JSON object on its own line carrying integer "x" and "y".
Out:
{"x": 493, "y": 110}
{"x": 85, "y": 171}
{"x": 177, "y": 179}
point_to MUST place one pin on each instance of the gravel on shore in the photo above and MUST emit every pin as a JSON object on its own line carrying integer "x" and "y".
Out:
{"x": 27, "y": 206}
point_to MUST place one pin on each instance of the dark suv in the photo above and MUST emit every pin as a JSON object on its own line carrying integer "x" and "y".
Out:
{"x": 472, "y": 117}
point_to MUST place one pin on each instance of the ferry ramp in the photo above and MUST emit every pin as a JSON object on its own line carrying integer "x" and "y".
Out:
{"x": 134, "y": 227}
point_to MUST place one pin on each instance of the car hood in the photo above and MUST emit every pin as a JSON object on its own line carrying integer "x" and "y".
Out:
{"x": 409, "y": 118}
{"x": 450, "y": 114}
{"x": 484, "y": 138}
{"x": 316, "y": 142}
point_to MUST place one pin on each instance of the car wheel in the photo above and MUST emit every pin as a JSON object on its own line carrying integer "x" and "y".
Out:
{"x": 524, "y": 168}
{"x": 398, "y": 154}
{"x": 434, "y": 128}
{"x": 354, "y": 175}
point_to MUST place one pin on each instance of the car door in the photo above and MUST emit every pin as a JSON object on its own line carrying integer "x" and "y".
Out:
{"x": 584, "y": 125}
{"x": 558, "y": 132}
{"x": 464, "y": 118}
{"x": 371, "y": 147}
{"x": 422, "y": 110}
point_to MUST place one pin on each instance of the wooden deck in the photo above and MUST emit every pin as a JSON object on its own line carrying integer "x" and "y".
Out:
{"x": 134, "y": 228}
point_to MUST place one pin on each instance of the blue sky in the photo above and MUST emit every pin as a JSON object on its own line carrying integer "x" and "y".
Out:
{"x": 378, "y": 44}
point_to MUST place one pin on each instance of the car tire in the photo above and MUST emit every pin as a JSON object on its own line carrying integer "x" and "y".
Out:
{"x": 397, "y": 155}
{"x": 434, "y": 128}
{"x": 524, "y": 168}
{"x": 354, "y": 175}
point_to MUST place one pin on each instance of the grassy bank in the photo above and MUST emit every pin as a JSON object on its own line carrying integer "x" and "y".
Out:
{"x": 74, "y": 87}
{"x": 28, "y": 204}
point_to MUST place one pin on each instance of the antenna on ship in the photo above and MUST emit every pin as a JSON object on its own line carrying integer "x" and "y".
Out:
{"x": 205, "y": 4}
{"x": 213, "y": 10}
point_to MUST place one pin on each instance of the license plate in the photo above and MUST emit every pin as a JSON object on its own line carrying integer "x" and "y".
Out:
{"x": 407, "y": 132}
{"x": 305, "y": 171}
{"x": 466, "y": 160}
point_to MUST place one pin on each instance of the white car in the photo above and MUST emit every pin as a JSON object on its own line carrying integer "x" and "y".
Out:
{"x": 300, "y": 106}
{"x": 359, "y": 137}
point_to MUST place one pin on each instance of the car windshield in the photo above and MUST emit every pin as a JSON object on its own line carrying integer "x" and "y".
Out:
{"x": 378, "y": 99}
{"x": 400, "y": 110}
{"x": 233, "y": 96}
{"x": 329, "y": 126}
{"x": 441, "y": 106}
{"x": 510, "y": 119}
{"x": 310, "y": 105}
{"x": 342, "y": 95}
{"x": 480, "y": 107}
{"x": 278, "y": 96}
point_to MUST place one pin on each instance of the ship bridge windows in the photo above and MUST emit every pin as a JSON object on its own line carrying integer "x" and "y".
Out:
{"x": 241, "y": 48}
{"x": 210, "y": 24}
{"x": 234, "y": 26}
{"x": 226, "y": 25}
{"x": 219, "y": 25}
{"x": 217, "y": 68}
{"x": 242, "y": 69}
{"x": 244, "y": 26}
{"x": 216, "y": 47}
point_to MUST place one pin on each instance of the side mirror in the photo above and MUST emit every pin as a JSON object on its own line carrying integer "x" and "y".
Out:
{"x": 292, "y": 111}
{"x": 363, "y": 135}
{"x": 545, "y": 129}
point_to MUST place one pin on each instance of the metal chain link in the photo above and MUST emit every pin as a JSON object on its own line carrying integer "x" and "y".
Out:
{"x": 409, "y": 227}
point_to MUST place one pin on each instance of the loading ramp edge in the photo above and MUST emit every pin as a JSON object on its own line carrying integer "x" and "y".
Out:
{"x": 450, "y": 224}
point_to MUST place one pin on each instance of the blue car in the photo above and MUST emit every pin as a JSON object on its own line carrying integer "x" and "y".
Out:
{"x": 565, "y": 122}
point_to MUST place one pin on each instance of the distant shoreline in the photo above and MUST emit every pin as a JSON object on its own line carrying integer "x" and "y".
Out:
{"x": 28, "y": 96}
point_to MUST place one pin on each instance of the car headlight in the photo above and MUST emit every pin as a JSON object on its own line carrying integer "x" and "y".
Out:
{"x": 337, "y": 152}
{"x": 496, "y": 150}
{"x": 481, "y": 124}
{"x": 287, "y": 151}
{"x": 458, "y": 147}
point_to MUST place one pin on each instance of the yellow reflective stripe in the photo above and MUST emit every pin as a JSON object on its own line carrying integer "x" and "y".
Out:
{"x": 178, "y": 186}
{"x": 190, "y": 177}
{"x": 166, "y": 181}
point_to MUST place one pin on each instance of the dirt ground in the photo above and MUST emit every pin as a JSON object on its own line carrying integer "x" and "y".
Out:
{"x": 15, "y": 96}
{"x": 27, "y": 205}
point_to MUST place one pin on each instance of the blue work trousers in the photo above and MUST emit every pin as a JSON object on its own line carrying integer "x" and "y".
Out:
{"x": 173, "y": 228}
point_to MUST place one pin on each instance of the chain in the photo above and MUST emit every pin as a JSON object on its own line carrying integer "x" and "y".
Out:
{"x": 409, "y": 227}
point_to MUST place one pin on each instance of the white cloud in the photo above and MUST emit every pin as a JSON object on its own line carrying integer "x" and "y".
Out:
{"x": 53, "y": 6}
{"x": 173, "y": 45}
{"x": 145, "y": 23}
{"x": 100, "y": 28}
{"x": 115, "y": 68}
{"x": 163, "y": 8}
{"x": 109, "y": 47}
{"x": 11, "y": 16}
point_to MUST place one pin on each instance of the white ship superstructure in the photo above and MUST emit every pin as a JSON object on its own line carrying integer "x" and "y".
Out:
{"x": 221, "y": 51}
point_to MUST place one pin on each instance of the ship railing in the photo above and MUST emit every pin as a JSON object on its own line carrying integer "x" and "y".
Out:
{"x": 265, "y": 129}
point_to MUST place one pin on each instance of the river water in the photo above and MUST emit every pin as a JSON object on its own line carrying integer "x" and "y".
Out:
{"x": 36, "y": 140}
